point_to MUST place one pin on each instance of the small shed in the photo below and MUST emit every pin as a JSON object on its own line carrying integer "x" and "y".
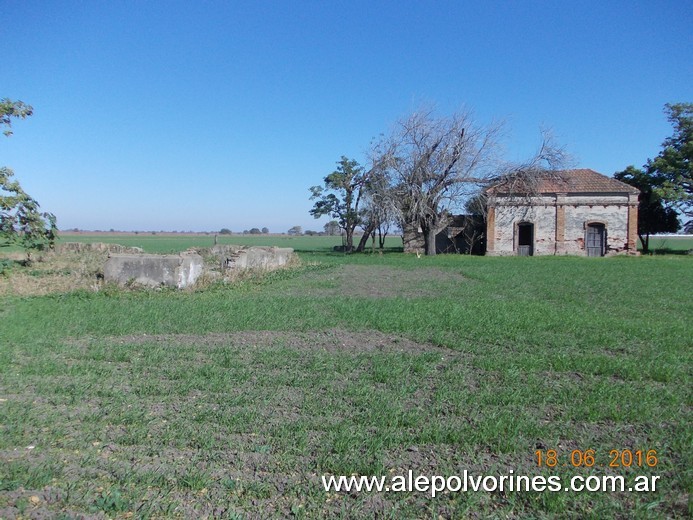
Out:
{"x": 463, "y": 234}
{"x": 576, "y": 212}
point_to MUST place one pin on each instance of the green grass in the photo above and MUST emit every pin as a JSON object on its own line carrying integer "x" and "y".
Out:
{"x": 233, "y": 401}
{"x": 670, "y": 244}
{"x": 168, "y": 243}
{"x": 158, "y": 243}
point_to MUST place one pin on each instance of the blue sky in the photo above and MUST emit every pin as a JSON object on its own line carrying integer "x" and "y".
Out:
{"x": 201, "y": 115}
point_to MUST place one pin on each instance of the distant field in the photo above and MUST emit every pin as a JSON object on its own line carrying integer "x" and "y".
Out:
{"x": 167, "y": 243}
{"x": 171, "y": 243}
{"x": 233, "y": 401}
{"x": 671, "y": 243}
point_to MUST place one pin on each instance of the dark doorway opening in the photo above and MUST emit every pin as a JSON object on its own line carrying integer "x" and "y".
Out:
{"x": 595, "y": 240}
{"x": 525, "y": 239}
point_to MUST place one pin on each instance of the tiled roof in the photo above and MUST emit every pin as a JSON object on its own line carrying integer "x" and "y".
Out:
{"x": 582, "y": 180}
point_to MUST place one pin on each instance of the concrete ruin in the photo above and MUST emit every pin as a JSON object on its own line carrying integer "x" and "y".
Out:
{"x": 178, "y": 271}
{"x": 98, "y": 247}
{"x": 183, "y": 270}
{"x": 256, "y": 257}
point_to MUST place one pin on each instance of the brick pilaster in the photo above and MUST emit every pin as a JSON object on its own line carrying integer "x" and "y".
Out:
{"x": 560, "y": 223}
{"x": 633, "y": 227}
{"x": 491, "y": 230}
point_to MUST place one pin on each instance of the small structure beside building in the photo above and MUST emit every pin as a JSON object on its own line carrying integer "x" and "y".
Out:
{"x": 575, "y": 212}
{"x": 464, "y": 234}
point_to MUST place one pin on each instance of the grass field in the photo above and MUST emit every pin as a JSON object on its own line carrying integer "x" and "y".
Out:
{"x": 167, "y": 243}
{"x": 171, "y": 243}
{"x": 233, "y": 401}
{"x": 671, "y": 243}
{"x": 157, "y": 243}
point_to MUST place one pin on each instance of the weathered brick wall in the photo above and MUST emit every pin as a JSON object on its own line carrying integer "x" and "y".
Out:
{"x": 614, "y": 217}
{"x": 560, "y": 222}
{"x": 542, "y": 215}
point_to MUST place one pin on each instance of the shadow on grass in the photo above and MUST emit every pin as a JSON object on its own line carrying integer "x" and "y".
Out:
{"x": 668, "y": 251}
{"x": 331, "y": 252}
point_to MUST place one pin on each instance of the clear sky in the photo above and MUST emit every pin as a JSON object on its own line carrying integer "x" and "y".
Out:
{"x": 192, "y": 115}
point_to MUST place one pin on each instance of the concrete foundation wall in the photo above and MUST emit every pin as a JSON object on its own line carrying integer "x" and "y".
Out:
{"x": 236, "y": 257}
{"x": 101, "y": 247}
{"x": 154, "y": 270}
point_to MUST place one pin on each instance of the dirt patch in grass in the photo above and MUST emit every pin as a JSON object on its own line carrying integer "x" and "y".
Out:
{"x": 373, "y": 281}
{"x": 332, "y": 340}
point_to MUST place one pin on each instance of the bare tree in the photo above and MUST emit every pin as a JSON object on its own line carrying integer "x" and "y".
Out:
{"x": 423, "y": 172}
{"x": 545, "y": 168}
{"x": 434, "y": 163}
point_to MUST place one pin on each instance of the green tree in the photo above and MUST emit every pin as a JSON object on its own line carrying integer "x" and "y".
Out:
{"x": 21, "y": 221}
{"x": 295, "y": 230}
{"x": 332, "y": 228}
{"x": 673, "y": 163}
{"x": 10, "y": 109}
{"x": 341, "y": 196}
{"x": 653, "y": 216}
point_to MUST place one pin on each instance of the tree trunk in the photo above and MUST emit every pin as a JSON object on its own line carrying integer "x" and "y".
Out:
{"x": 430, "y": 240}
{"x": 645, "y": 241}
{"x": 364, "y": 239}
{"x": 349, "y": 240}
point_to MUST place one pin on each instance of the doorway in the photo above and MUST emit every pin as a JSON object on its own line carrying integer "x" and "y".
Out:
{"x": 595, "y": 239}
{"x": 525, "y": 239}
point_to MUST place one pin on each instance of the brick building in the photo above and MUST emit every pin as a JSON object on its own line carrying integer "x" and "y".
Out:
{"x": 577, "y": 212}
